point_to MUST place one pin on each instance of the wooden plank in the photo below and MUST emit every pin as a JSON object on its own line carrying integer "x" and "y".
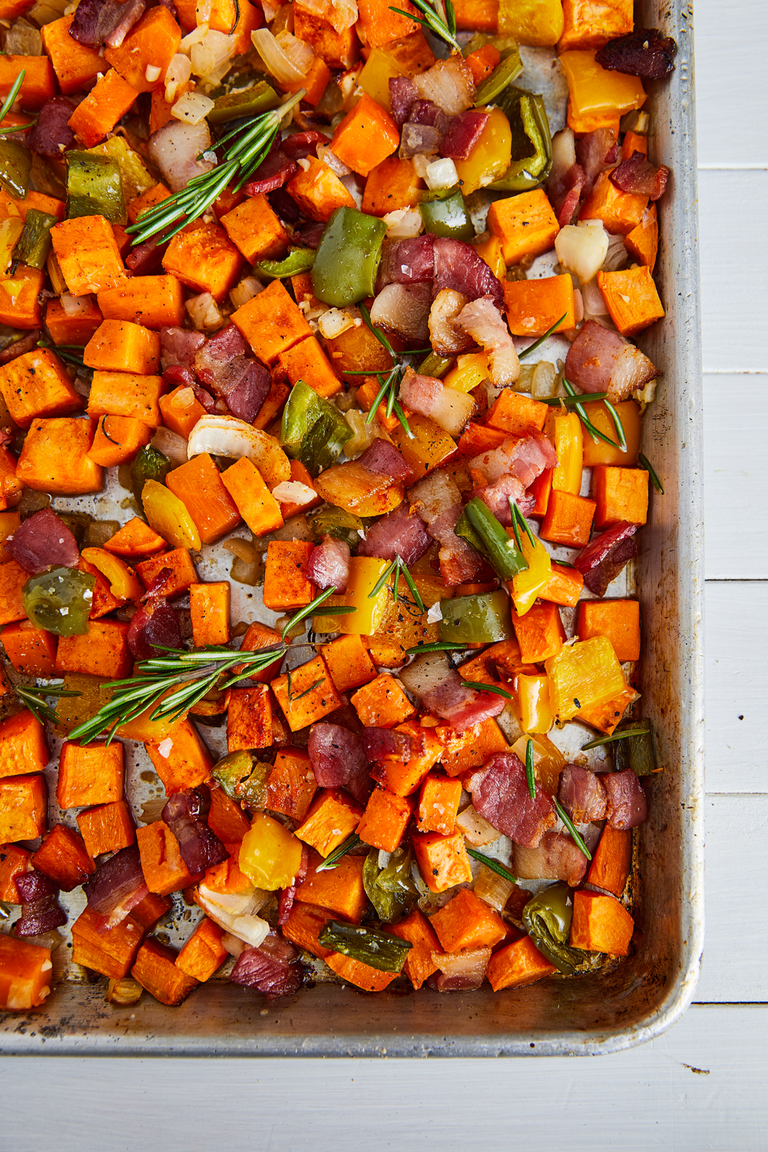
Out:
{"x": 734, "y": 256}
{"x": 736, "y": 640}
{"x": 736, "y": 942}
{"x": 729, "y": 74}
{"x": 735, "y": 476}
{"x": 702, "y": 1085}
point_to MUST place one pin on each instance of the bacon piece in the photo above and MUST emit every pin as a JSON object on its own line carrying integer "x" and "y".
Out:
{"x": 419, "y": 140}
{"x": 420, "y": 393}
{"x": 596, "y": 151}
{"x": 271, "y": 174}
{"x": 524, "y": 458}
{"x": 566, "y": 179}
{"x": 445, "y": 336}
{"x": 309, "y": 234}
{"x": 105, "y": 22}
{"x": 176, "y": 149}
{"x": 399, "y": 533}
{"x": 19, "y": 347}
{"x": 302, "y": 144}
{"x": 644, "y": 52}
{"x": 487, "y": 327}
{"x": 329, "y": 564}
{"x": 460, "y": 971}
{"x": 627, "y": 802}
{"x": 463, "y": 133}
{"x": 459, "y": 266}
{"x": 43, "y": 541}
{"x": 449, "y": 84}
{"x": 178, "y": 347}
{"x": 498, "y": 495}
{"x": 154, "y": 622}
{"x": 222, "y": 365}
{"x": 185, "y": 814}
{"x": 600, "y": 360}
{"x": 438, "y": 502}
{"x": 462, "y": 707}
{"x": 35, "y": 885}
{"x": 338, "y": 759}
{"x": 177, "y": 376}
{"x": 52, "y": 134}
{"x": 555, "y": 858}
{"x": 383, "y": 457}
{"x": 604, "y": 557}
{"x": 500, "y": 794}
{"x": 402, "y": 96}
{"x": 403, "y": 309}
{"x": 410, "y": 261}
{"x": 271, "y": 968}
{"x": 639, "y": 176}
{"x": 39, "y": 916}
{"x": 379, "y": 743}
{"x": 582, "y": 794}
{"x": 116, "y": 887}
{"x": 145, "y": 258}
{"x": 288, "y": 895}
{"x": 428, "y": 113}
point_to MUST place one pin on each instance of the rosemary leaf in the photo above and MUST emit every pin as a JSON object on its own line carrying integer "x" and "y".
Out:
{"x": 532, "y": 347}
{"x": 13, "y": 93}
{"x": 575, "y": 835}
{"x": 530, "y": 770}
{"x": 644, "y": 462}
{"x": 494, "y": 865}
{"x": 333, "y": 858}
{"x": 495, "y": 688}
{"x": 411, "y": 584}
{"x": 383, "y": 578}
{"x": 617, "y": 425}
{"x": 624, "y": 735}
{"x": 438, "y": 646}
{"x": 437, "y": 17}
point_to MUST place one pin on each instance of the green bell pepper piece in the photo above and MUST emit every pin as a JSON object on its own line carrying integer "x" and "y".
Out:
{"x": 445, "y": 214}
{"x": 297, "y": 260}
{"x": 94, "y": 187}
{"x": 347, "y": 257}
{"x": 531, "y": 141}
{"x": 244, "y": 779}
{"x": 377, "y": 949}
{"x": 390, "y": 889}
{"x": 148, "y": 464}
{"x": 547, "y": 920}
{"x": 15, "y": 167}
{"x": 78, "y": 524}
{"x": 636, "y": 752}
{"x": 313, "y": 430}
{"x": 239, "y": 105}
{"x": 34, "y": 244}
{"x": 60, "y": 600}
{"x": 336, "y": 522}
{"x": 505, "y": 73}
{"x": 434, "y": 365}
{"x": 483, "y": 532}
{"x": 480, "y": 619}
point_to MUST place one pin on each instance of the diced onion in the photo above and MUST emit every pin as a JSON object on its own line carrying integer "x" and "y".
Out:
{"x": 212, "y": 55}
{"x": 22, "y": 39}
{"x": 171, "y": 445}
{"x": 333, "y": 322}
{"x": 495, "y": 890}
{"x": 245, "y": 291}
{"x": 177, "y": 74}
{"x": 363, "y": 434}
{"x": 204, "y": 312}
{"x": 276, "y": 60}
{"x": 228, "y": 436}
{"x": 243, "y": 549}
{"x": 152, "y": 73}
{"x": 544, "y": 380}
{"x": 403, "y": 223}
{"x": 75, "y": 305}
{"x": 441, "y": 174}
{"x": 192, "y": 107}
{"x": 330, "y": 158}
{"x": 293, "y": 492}
{"x": 582, "y": 248}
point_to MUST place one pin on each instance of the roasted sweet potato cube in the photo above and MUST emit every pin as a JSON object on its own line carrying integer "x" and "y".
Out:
{"x": 204, "y": 258}
{"x": 101, "y": 651}
{"x": 183, "y": 573}
{"x": 291, "y": 784}
{"x": 204, "y": 952}
{"x": 226, "y": 819}
{"x": 331, "y": 819}
{"x": 518, "y": 964}
{"x": 23, "y": 808}
{"x": 469, "y": 749}
{"x": 63, "y": 857}
{"x": 307, "y": 695}
{"x": 107, "y": 828}
{"x": 382, "y": 703}
{"x": 38, "y": 384}
{"x": 442, "y": 860}
{"x": 361, "y": 975}
{"x": 438, "y": 804}
{"x": 385, "y": 819}
{"x": 404, "y": 776}
{"x": 25, "y": 974}
{"x": 181, "y": 760}
{"x": 14, "y": 861}
{"x": 161, "y": 861}
{"x": 600, "y": 924}
{"x": 349, "y": 662}
{"x": 466, "y": 921}
{"x": 90, "y": 774}
{"x": 156, "y": 970}
{"x": 249, "y": 718}
{"x": 304, "y": 925}
{"x": 110, "y": 952}
{"x": 419, "y": 964}
{"x": 23, "y": 747}
{"x": 338, "y": 889}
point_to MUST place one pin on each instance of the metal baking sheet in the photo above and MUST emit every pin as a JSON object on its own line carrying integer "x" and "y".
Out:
{"x": 587, "y": 1016}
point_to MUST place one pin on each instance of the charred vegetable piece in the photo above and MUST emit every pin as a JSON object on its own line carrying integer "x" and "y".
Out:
{"x": 148, "y": 464}
{"x": 480, "y": 619}
{"x": 313, "y": 430}
{"x": 369, "y": 946}
{"x": 15, "y": 167}
{"x": 60, "y": 600}
{"x": 239, "y": 105}
{"x": 445, "y": 214}
{"x": 636, "y": 751}
{"x": 336, "y": 522}
{"x": 483, "y": 532}
{"x": 297, "y": 260}
{"x": 505, "y": 73}
{"x": 243, "y": 779}
{"x": 547, "y": 920}
{"x": 348, "y": 257}
{"x": 434, "y": 365}
{"x": 390, "y": 889}
{"x": 34, "y": 244}
{"x": 531, "y": 141}
{"x": 94, "y": 187}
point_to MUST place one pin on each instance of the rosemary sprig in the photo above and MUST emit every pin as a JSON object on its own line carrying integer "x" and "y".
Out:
{"x": 519, "y": 521}
{"x": 248, "y": 146}
{"x": 11, "y": 97}
{"x": 438, "y": 17}
{"x": 171, "y": 684}
{"x": 389, "y": 383}
{"x": 306, "y": 691}
{"x": 537, "y": 344}
{"x": 558, "y": 401}
{"x": 623, "y": 735}
{"x": 530, "y": 770}
{"x": 644, "y": 462}
{"x": 569, "y": 824}
{"x": 333, "y": 858}
{"x": 494, "y": 865}
{"x": 438, "y": 646}
{"x": 34, "y": 699}
{"x": 617, "y": 425}
{"x": 397, "y": 566}
{"x": 595, "y": 433}
{"x": 495, "y": 688}
{"x": 66, "y": 352}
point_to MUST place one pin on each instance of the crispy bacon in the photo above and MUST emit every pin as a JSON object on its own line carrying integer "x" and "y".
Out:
{"x": 99, "y": 23}
{"x": 221, "y": 363}
{"x": 582, "y": 794}
{"x": 383, "y": 457}
{"x": 644, "y": 52}
{"x": 116, "y": 887}
{"x": 185, "y": 814}
{"x": 145, "y": 258}
{"x": 555, "y": 858}
{"x": 379, "y": 743}
{"x": 596, "y": 151}
{"x": 179, "y": 346}
{"x": 154, "y": 622}
{"x": 403, "y": 309}
{"x": 604, "y": 557}
{"x": 299, "y": 145}
{"x": 483, "y": 321}
{"x": 271, "y": 968}
{"x": 438, "y": 502}
{"x": 567, "y": 178}
{"x": 449, "y": 84}
{"x": 639, "y": 176}
{"x": 627, "y": 802}
{"x": 43, "y": 541}
{"x": 600, "y": 360}
{"x": 419, "y": 140}
{"x": 52, "y": 134}
{"x": 176, "y": 149}
{"x": 410, "y": 261}
{"x": 39, "y": 916}
{"x": 35, "y": 885}
{"x": 460, "y": 971}
{"x": 329, "y": 564}
{"x": 498, "y": 495}
{"x": 402, "y": 96}
{"x": 524, "y": 458}
{"x": 338, "y": 759}
{"x": 462, "y": 707}
{"x": 399, "y": 533}
{"x": 420, "y": 393}
{"x": 500, "y": 794}
{"x": 461, "y": 267}
{"x": 463, "y": 133}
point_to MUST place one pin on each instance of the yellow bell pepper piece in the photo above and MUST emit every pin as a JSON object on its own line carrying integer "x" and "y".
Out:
{"x": 525, "y": 587}
{"x": 364, "y": 574}
{"x": 548, "y": 760}
{"x": 378, "y": 70}
{"x": 566, "y": 433}
{"x": 123, "y": 581}
{"x": 493, "y": 254}
{"x": 169, "y": 517}
{"x": 427, "y": 448}
{"x": 536, "y": 22}
{"x": 597, "y": 93}
{"x": 468, "y": 371}
{"x": 582, "y": 675}
{"x": 491, "y": 155}
{"x": 270, "y": 855}
{"x": 536, "y": 715}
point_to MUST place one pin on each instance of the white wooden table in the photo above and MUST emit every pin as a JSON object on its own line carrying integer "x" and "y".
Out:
{"x": 703, "y": 1085}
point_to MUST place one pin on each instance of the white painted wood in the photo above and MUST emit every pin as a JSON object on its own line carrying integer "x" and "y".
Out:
{"x": 736, "y": 633}
{"x": 734, "y": 257}
{"x": 736, "y": 479}
{"x": 736, "y": 942}
{"x": 730, "y": 75}
{"x": 701, "y": 1086}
